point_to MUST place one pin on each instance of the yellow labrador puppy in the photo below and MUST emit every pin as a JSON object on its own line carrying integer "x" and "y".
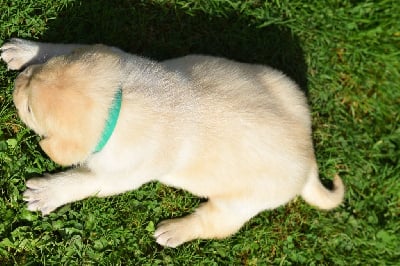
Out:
{"x": 237, "y": 134}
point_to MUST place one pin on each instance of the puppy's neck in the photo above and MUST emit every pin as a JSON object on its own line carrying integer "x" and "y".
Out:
{"x": 111, "y": 121}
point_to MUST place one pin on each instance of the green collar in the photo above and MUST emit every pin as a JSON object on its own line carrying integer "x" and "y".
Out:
{"x": 111, "y": 121}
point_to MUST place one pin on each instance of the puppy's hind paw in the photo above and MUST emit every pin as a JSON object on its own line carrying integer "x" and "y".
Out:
{"x": 17, "y": 53}
{"x": 174, "y": 232}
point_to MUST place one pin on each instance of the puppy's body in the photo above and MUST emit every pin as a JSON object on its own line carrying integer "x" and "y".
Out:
{"x": 235, "y": 133}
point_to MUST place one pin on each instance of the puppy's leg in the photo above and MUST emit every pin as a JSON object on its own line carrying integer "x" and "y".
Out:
{"x": 18, "y": 53}
{"x": 215, "y": 219}
{"x": 45, "y": 194}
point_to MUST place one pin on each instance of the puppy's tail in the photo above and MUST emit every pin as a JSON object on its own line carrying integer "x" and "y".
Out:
{"x": 317, "y": 195}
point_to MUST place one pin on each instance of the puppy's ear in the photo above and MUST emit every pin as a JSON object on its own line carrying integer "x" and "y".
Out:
{"x": 71, "y": 97}
{"x": 64, "y": 151}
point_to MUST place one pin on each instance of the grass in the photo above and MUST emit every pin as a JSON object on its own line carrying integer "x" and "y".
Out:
{"x": 344, "y": 54}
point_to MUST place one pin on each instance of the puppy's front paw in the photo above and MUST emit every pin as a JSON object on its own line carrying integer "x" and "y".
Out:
{"x": 43, "y": 194}
{"x": 174, "y": 232}
{"x": 17, "y": 53}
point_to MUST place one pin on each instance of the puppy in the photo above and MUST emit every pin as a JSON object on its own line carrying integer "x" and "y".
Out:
{"x": 235, "y": 133}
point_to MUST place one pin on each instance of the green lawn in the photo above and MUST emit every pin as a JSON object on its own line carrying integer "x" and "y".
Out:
{"x": 344, "y": 54}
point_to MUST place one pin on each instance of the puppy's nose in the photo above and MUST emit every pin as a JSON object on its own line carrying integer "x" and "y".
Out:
{"x": 22, "y": 81}
{"x": 25, "y": 76}
{"x": 28, "y": 71}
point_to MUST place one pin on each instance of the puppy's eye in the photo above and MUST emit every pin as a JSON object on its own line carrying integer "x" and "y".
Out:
{"x": 29, "y": 109}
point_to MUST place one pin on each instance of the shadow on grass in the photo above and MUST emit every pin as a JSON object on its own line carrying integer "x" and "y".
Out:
{"x": 163, "y": 31}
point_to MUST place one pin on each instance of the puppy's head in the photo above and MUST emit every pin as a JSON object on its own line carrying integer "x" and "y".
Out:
{"x": 66, "y": 101}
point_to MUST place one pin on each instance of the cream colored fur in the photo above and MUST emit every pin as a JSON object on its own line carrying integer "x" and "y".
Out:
{"x": 237, "y": 134}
